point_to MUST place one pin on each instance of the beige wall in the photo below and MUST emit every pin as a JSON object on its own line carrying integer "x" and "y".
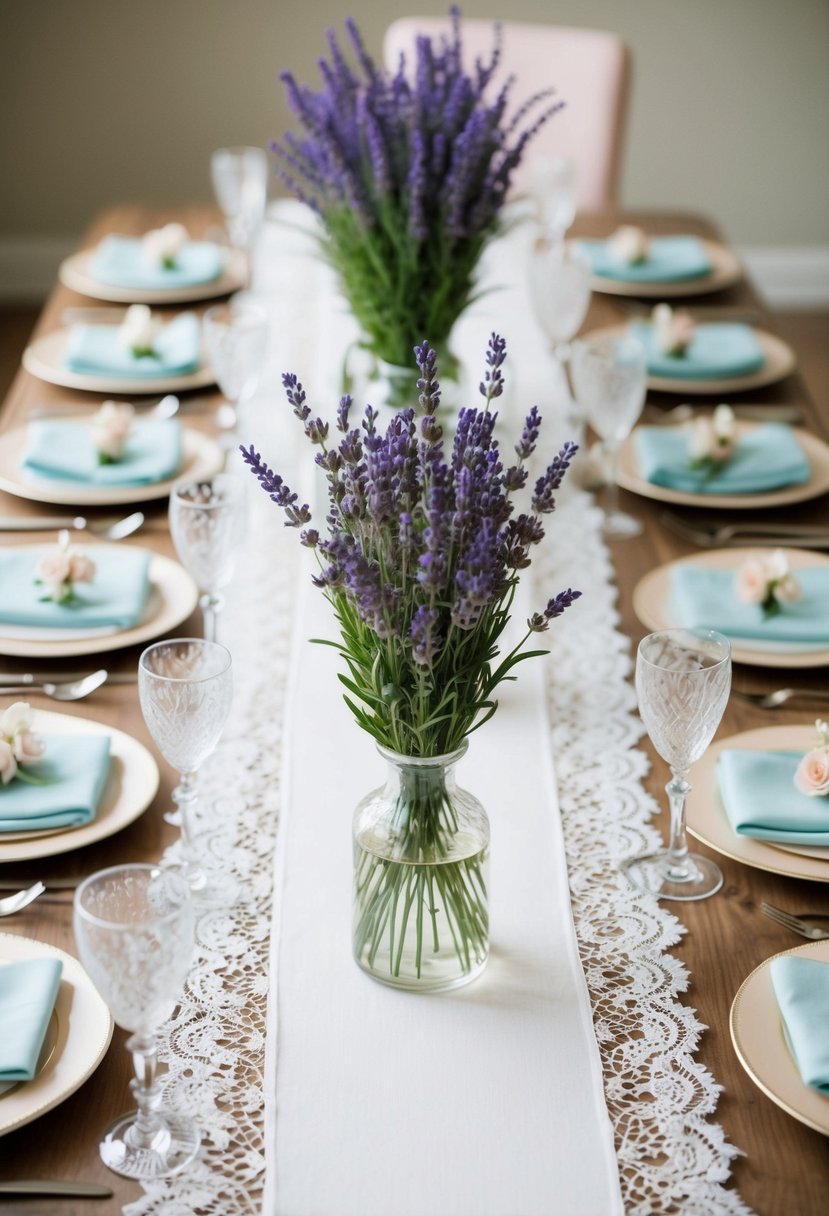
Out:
{"x": 102, "y": 100}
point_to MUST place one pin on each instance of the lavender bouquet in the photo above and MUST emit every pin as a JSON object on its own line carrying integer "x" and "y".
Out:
{"x": 408, "y": 173}
{"x": 420, "y": 563}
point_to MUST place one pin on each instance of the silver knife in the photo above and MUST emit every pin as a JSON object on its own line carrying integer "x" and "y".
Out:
{"x": 86, "y": 1190}
{"x": 55, "y": 884}
{"x": 31, "y": 680}
{"x": 45, "y": 523}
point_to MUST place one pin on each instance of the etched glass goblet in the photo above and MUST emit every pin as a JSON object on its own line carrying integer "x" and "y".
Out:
{"x": 207, "y": 520}
{"x": 554, "y": 191}
{"x": 134, "y": 933}
{"x": 559, "y": 281}
{"x": 185, "y": 688}
{"x": 610, "y": 382}
{"x": 240, "y": 183}
{"x": 235, "y": 337}
{"x": 683, "y": 678}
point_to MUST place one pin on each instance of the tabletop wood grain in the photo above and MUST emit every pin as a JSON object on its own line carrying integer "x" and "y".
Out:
{"x": 785, "y": 1167}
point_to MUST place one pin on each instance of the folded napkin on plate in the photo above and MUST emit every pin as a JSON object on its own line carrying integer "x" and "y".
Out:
{"x": 716, "y": 351}
{"x": 28, "y": 990}
{"x": 98, "y": 350}
{"x": 116, "y": 597}
{"x": 765, "y": 458}
{"x": 73, "y": 773}
{"x": 65, "y": 450}
{"x": 119, "y": 261}
{"x": 669, "y": 258}
{"x": 761, "y": 801}
{"x": 801, "y": 986}
{"x": 705, "y": 598}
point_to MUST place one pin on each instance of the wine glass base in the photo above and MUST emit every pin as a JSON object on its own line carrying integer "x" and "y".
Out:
{"x": 619, "y": 526}
{"x": 208, "y": 888}
{"x": 172, "y": 1148}
{"x": 654, "y": 875}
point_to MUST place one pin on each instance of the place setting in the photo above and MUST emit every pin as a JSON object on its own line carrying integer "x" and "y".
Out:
{"x": 116, "y": 455}
{"x": 164, "y": 266}
{"x": 705, "y": 357}
{"x": 631, "y": 262}
{"x": 141, "y": 352}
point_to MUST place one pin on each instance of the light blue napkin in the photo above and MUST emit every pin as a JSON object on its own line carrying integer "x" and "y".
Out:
{"x": 716, "y": 351}
{"x": 115, "y": 597}
{"x": 761, "y": 801}
{"x": 705, "y": 598}
{"x": 97, "y": 350}
{"x": 765, "y": 458}
{"x": 801, "y": 986}
{"x": 669, "y": 258}
{"x": 73, "y": 771}
{"x": 28, "y": 991}
{"x": 65, "y": 450}
{"x": 119, "y": 260}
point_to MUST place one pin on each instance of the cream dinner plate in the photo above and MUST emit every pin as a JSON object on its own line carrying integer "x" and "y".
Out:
{"x": 814, "y": 449}
{"x": 708, "y": 822}
{"x": 76, "y": 1040}
{"x": 44, "y": 359}
{"x": 779, "y": 361}
{"x": 201, "y": 458}
{"x": 760, "y": 1042}
{"x": 74, "y": 273}
{"x": 725, "y": 270}
{"x": 131, "y": 786}
{"x": 173, "y": 596}
{"x": 652, "y": 605}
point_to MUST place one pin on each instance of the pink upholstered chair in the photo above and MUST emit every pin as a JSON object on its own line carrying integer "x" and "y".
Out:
{"x": 589, "y": 69}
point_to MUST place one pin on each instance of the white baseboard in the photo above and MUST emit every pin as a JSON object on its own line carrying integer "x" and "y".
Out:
{"x": 789, "y": 276}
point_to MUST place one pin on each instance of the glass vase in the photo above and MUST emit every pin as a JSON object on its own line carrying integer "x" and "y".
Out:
{"x": 421, "y": 850}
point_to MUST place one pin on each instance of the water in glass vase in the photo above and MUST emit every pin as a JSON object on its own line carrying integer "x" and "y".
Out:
{"x": 421, "y": 848}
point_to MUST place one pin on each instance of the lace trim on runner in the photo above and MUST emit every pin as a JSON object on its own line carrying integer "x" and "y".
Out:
{"x": 671, "y": 1157}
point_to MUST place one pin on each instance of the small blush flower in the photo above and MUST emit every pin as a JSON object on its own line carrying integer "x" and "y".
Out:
{"x": 162, "y": 246}
{"x": 110, "y": 429}
{"x": 54, "y": 567}
{"x": 700, "y": 439}
{"x": 751, "y": 583}
{"x": 27, "y": 747}
{"x": 139, "y": 330}
{"x": 673, "y": 331}
{"x": 629, "y": 245}
{"x": 58, "y": 569}
{"x": 812, "y": 774}
{"x": 788, "y": 589}
{"x": 8, "y": 764}
{"x": 81, "y": 567}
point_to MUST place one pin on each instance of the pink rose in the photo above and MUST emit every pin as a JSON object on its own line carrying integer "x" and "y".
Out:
{"x": 812, "y": 775}
{"x": 54, "y": 567}
{"x": 751, "y": 582}
{"x": 27, "y": 747}
{"x": 81, "y": 567}
{"x": 8, "y": 764}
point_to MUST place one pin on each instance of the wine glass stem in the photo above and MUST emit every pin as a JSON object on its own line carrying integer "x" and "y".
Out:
{"x": 211, "y": 606}
{"x": 184, "y": 796}
{"x": 678, "y": 866}
{"x": 611, "y": 448}
{"x": 145, "y": 1088}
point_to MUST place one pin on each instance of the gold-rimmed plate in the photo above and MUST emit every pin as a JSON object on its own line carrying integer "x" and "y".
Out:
{"x": 652, "y": 605}
{"x": 76, "y": 274}
{"x": 44, "y": 358}
{"x": 77, "y": 1038}
{"x": 130, "y": 788}
{"x": 201, "y": 458}
{"x": 726, "y": 270}
{"x": 173, "y": 596}
{"x": 778, "y": 362}
{"x": 813, "y": 448}
{"x": 708, "y": 822}
{"x": 760, "y": 1043}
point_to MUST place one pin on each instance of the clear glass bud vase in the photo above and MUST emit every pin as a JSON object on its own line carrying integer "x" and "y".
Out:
{"x": 421, "y": 850}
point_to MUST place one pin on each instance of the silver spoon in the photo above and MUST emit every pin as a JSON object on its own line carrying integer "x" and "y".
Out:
{"x": 118, "y": 530}
{"x": 167, "y": 407}
{"x": 15, "y": 903}
{"x": 60, "y": 690}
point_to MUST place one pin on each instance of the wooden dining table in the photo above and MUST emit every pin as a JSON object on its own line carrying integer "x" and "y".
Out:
{"x": 784, "y": 1166}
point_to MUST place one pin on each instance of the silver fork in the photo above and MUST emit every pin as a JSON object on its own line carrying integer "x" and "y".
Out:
{"x": 711, "y": 536}
{"x": 788, "y": 921}
{"x": 779, "y": 696}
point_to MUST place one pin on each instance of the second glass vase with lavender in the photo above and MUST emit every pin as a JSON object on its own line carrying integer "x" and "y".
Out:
{"x": 421, "y": 850}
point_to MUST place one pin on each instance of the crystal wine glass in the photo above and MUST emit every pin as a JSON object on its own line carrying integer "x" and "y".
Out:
{"x": 185, "y": 688}
{"x": 554, "y": 193}
{"x": 207, "y": 519}
{"x": 240, "y": 183}
{"x": 134, "y": 933}
{"x": 559, "y": 281}
{"x": 683, "y": 678}
{"x": 610, "y": 381}
{"x": 235, "y": 337}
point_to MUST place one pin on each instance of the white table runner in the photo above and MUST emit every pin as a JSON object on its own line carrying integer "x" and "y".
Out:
{"x": 486, "y": 1101}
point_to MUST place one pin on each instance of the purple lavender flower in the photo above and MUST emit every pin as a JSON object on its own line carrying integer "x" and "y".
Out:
{"x": 550, "y": 481}
{"x": 540, "y": 621}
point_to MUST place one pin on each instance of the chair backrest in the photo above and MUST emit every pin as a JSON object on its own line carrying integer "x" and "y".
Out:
{"x": 589, "y": 69}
